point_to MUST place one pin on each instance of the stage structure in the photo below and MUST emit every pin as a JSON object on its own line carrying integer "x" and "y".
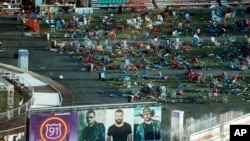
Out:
{"x": 68, "y": 123}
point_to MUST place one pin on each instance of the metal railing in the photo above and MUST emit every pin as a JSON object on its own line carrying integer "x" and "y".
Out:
{"x": 11, "y": 71}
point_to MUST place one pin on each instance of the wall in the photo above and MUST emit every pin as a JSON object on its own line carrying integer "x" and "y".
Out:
{"x": 215, "y": 133}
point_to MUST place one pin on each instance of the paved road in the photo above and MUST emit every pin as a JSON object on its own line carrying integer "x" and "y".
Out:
{"x": 84, "y": 85}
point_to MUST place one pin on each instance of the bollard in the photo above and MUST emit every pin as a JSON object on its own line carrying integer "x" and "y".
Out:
{"x": 53, "y": 43}
{"x": 1, "y": 49}
{"x": 91, "y": 67}
{"x": 46, "y": 36}
{"x": 174, "y": 13}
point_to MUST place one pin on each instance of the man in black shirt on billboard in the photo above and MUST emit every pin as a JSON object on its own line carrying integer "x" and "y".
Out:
{"x": 120, "y": 131}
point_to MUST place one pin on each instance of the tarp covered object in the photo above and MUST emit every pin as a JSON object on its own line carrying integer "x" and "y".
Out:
{"x": 33, "y": 23}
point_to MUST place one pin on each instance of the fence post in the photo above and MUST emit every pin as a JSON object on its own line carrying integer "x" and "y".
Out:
{"x": 177, "y": 124}
{"x": 10, "y": 114}
{"x": 222, "y": 131}
{"x": 19, "y": 110}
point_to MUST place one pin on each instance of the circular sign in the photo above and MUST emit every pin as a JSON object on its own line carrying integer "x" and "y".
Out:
{"x": 53, "y": 128}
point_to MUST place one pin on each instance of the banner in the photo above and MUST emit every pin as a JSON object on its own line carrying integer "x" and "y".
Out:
{"x": 98, "y": 125}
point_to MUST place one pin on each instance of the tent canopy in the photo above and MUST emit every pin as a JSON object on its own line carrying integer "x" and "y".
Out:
{"x": 40, "y": 99}
{"x": 29, "y": 80}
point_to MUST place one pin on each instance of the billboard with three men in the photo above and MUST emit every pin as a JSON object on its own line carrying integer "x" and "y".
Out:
{"x": 116, "y": 124}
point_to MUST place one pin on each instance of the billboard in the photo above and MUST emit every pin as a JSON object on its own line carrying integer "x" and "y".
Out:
{"x": 121, "y": 124}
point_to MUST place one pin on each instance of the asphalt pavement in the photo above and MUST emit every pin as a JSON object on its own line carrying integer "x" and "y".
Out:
{"x": 85, "y": 86}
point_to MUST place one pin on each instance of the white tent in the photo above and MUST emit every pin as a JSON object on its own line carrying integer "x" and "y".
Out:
{"x": 42, "y": 99}
{"x": 29, "y": 80}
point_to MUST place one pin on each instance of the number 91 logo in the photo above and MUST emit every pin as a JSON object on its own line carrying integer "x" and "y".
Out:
{"x": 53, "y": 129}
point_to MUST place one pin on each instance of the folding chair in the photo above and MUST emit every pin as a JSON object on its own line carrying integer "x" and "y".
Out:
{"x": 52, "y": 28}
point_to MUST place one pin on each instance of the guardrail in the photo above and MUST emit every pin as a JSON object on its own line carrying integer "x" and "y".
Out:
{"x": 9, "y": 114}
{"x": 5, "y": 116}
{"x": 219, "y": 132}
{"x": 10, "y": 71}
